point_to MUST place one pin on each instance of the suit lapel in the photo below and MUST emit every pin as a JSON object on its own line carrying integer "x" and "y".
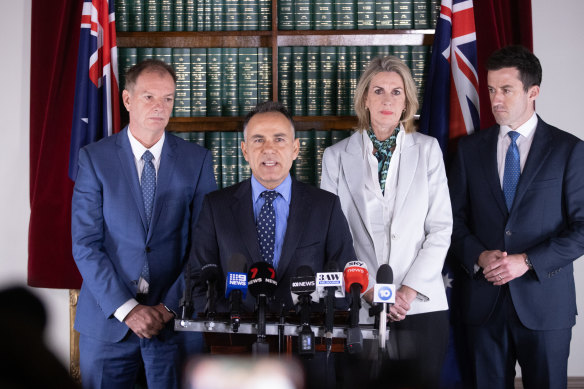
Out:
{"x": 168, "y": 158}
{"x": 128, "y": 167}
{"x": 242, "y": 210}
{"x": 488, "y": 161}
{"x": 408, "y": 162}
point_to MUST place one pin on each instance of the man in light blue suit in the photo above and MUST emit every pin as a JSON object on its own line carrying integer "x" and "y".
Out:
{"x": 137, "y": 196}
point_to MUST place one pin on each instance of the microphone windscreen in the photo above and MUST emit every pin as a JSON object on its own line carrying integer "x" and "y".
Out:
{"x": 384, "y": 274}
{"x": 304, "y": 271}
{"x": 331, "y": 267}
{"x": 356, "y": 273}
{"x": 262, "y": 279}
{"x": 209, "y": 272}
{"x": 237, "y": 263}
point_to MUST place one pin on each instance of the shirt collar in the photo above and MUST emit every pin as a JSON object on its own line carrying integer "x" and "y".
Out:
{"x": 138, "y": 148}
{"x": 284, "y": 189}
{"x": 525, "y": 130}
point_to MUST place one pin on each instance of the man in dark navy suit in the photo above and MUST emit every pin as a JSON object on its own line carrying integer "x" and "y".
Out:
{"x": 518, "y": 203}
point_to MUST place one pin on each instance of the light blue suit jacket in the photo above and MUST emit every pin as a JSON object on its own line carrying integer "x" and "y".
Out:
{"x": 110, "y": 237}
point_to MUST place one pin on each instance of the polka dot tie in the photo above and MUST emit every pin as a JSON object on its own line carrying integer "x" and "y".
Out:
{"x": 266, "y": 226}
{"x": 512, "y": 170}
{"x": 148, "y": 184}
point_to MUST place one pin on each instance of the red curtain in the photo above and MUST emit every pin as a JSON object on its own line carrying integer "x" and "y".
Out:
{"x": 499, "y": 23}
{"x": 55, "y": 29}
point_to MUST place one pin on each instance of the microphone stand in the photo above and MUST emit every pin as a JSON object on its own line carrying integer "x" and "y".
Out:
{"x": 261, "y": 346}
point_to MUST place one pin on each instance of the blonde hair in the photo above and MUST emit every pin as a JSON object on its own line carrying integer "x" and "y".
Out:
{"x": 386, "y": 64}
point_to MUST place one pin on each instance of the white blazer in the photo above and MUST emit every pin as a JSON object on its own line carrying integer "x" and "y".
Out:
{"x": 421, "y": 225}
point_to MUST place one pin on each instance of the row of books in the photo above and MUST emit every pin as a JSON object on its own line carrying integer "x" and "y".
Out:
{"x": 211, "y": 81}
{"x": 230, "y": 167}
{"x": 255, "y": 15}
{"x": 312, "y": 80}
{"x": 315, "y": 81}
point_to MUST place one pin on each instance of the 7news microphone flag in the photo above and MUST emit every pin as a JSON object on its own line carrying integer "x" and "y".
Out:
{"x": 96, "y": 111}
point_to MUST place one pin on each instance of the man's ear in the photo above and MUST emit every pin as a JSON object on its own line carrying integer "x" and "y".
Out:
{"x": 126, "y": 99}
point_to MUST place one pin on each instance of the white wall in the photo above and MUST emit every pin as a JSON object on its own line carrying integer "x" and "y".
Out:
{"x": 558, "y": 38}
{"x": 559, "y": 104}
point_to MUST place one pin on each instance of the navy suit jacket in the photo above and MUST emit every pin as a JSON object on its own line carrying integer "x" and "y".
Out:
{"x": 317, "y": 232}
{"x": 546, "y": 222}
{"x": 111, "y": 240}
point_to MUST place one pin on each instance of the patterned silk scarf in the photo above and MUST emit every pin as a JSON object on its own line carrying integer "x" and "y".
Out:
{"x": 383, "y": 154}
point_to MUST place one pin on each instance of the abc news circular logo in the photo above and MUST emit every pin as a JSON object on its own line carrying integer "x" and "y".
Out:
{"x": 384, "y": 293}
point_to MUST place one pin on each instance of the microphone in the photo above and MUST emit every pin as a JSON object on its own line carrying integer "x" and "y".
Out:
{"x": 210, "y": 275}
{"x": 262, "y": 284}
{"x": 186, "y": 303}
{"x": 383, "y": 294}
{"x": 236, "y": 287}
{"x": 302, "y": 287}
{"x": 356, "y": 281}
{"x": 330, "y": 285}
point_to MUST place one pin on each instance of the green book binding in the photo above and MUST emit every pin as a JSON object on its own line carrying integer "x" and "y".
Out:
{"x": 434, "y": 12}
{"x": 145, "y": 53}
{"x": 122, "y": 15}
{"x": 248, "y": 79}
{"x": 244, "y": 171}
{"x": 383, "y": 14}
{"x": 345, "y": 15}
{"x": 365, "y": 14}
{"x": 207, "y": 22}
{"x": 322, "y": 140}
{"x": 214, "y": 71}
{"x": 250, "y": 10}
{"x": 285, "y": 76}
{"x": 229, "y": 166}
{"x": 264, "y": 74}
{"x": 286, "y": 15}
{"x": 304, "y": 165}
{"x": 178, "y": 16}
{"x": 366, "y": 54}
{"x": 190, "y": 18}
{"x": 343, "y": 98}
{"x": 198, "y": 82}
{"x": 313, "y": 90}
{"x": 217, "y": 11}
{"x": 265, "y": 23}
{"x": 163, "y": 54}
{"x": 302, "y": 14}
{"x": 353, "y": 59}
{"x": 181, "y": 62}
{"x": 152, "y": 15}
{"x": 298, "y": 81}
{"x": 420, "y": 63}
{"x": 328, "y": 63}
{"x": 198, "y": 138}
{"x": 403, "y": 15}
{"x": 183, "y": 135}
{"x": 213, "y": 144}
{"x": 404, "y": 53}
{"x": 421, "y": 13}
{"x": 167, "y": 15}
{"x": 127, "y": 57}
{"x": 137, "y": 16}
{"x": 230, "y": 105}
{"x": 323, "y": 14}
{"x": 200, "y": 15}
{"x": 232, "y": 15}
{"x": 339, "y": 135}
{"x": 383, "y": 51}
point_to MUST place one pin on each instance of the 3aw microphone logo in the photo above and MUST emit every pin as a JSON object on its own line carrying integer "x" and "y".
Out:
{"x": 329, "y": 276}
{"x": 384, "y": 293}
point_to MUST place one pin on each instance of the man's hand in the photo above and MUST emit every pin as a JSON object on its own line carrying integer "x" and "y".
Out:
{"x": 488, "y": 257}
{"x": 146, "y": 321}
{"x": 166, "y": 315}
{"x": 506, "y": 268}
{"x": 403, "y": 298}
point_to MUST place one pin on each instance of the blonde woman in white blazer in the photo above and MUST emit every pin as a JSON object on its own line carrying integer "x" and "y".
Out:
{"x": 398, "y": 208}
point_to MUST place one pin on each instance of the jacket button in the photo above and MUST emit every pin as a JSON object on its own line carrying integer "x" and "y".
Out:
{"x": 394, "y": 236}
{"x": 508, "y": 233}
{"x": 148, "y": 249}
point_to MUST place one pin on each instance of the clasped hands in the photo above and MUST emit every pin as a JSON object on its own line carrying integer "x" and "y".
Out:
{"x": 403, "y": 298}
{"x": 146, "y": 321}
{"x": 499, "y": 268}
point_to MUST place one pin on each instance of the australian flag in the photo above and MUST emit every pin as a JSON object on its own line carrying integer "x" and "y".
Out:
{"x": 451, "y": 110}
{"x": 96, "y": 110}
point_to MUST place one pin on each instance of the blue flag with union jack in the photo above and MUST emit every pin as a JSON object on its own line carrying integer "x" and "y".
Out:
{"x": 96, "y": 110}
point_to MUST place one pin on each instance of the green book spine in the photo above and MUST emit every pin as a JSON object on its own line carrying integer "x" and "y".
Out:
{"x": 383, "y": 14}
{"x": 339, "y": 135}
{"x": 365, "y": 14}
{"x": 286, "y": 15}
{"x": 403, "y": 14}
{"x": 213, "y": 144}
{"x": 244, "y": 171}
{"x": 322, "y": 140}
{"x": 264, "y": 74}
{"x": 345, "y": 15}
{"x": 302, "y": 14}
{"x": 232, "y": 16}
{"x": 190, "y": 18}
{"x": 127, "y": 57}
{"x": 122, "y": 15}
{"x": 265, "y": 23}
{"x": 421, "y": 14}
{"x": 207, "y": 15}
{"x": 250, "y": 10}
{"x": 313, "y": 78}
{"x": 420, "y": 63}
{"x": 248, "y": 79}
{"x": 323, "y": 14}
{"x": 198, "y": 82}
{"x": 181, "y": 62}
{"x": 145, "y": 53}
{"x": 328, "y": 64}
{"x": 167, "y": 15}
{"x": 214, "y": 71}
{"x": 343, "y": 100}
{"x": 434, "y": 12}
{"x": 230, "y": 105}
{"x": 353, "y": 58}
{"x": 299, "y": 80}
{"x": 198, "y": 138}
{"x": 183, "y": 135}
{"x": 285, "y": 76}
{"x": 217, "y": 14}
{"x": 178, "y": 16}
{"x": 200, "y": 15}
{"x": 152, "y": 15}
{"x": 163, "y": 54}
{"x": 304, "y": 165}
{"x": 404, "y": 53}
{"x": 366, "y": 53}
{"x": 137, "y": 16}
{"x": 230, "y": 169}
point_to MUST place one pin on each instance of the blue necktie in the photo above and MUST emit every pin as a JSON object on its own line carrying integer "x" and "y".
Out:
{"x": 512, "y": 170}
{"x": 266, "y": 226}
{"x": 148, "y": 184}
